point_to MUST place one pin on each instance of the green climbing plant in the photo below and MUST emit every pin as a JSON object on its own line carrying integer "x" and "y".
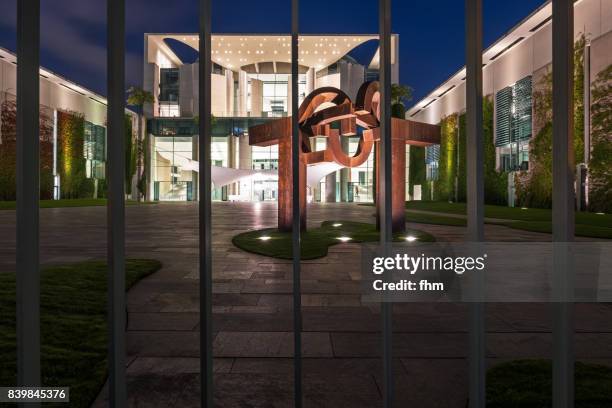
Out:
{"x": 534, "y": 188}
{"x": 600, "y": 165}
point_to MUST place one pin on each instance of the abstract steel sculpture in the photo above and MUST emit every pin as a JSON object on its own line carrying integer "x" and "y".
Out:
{"x": 328, "y": 112}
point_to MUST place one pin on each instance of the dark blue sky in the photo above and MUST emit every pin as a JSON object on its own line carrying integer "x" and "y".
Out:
{"x": 73, "y": 32}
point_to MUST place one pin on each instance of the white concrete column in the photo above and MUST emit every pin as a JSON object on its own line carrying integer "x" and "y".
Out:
{"x": 244, "y": 153}
{"x": 310, "y": 80}
{"x": 289, "y": 99}
{"x": 243, "y": 93}
{"x": 229, "y": 89}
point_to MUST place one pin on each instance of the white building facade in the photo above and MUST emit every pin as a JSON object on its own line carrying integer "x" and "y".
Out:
{"x": 58, "y": 96}
{"x": 513, "y": 69}
{"x": 251, "y": 83}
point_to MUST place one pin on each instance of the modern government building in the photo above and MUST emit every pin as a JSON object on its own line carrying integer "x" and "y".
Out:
{"x": 72, "y": 135}
{"x": 250, "y": 85}
{"x": 514, "y": 68}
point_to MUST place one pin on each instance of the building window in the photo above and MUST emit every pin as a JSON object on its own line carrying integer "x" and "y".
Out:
{"x": 172, "y": 168}
{"x": 514, "y": 156}
{"x": 432, "y": 157}
{"x": 274, "y": 92}
{"x": 94, "y": 151}
{"x": 513, "y": 124}
{"x": 169, "y": 85}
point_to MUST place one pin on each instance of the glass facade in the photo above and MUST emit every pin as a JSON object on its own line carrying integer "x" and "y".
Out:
{"x": 171, "y": 168}
{"x": 264, "y": 186}
{"x": 432, "y": 158}
{"x": 94, "y": 150}
{"x": 274, "y": 93}
{"x": 513, "y": 111}
{"x": 514, "y": 156}
{"x": 169, "y": 84}
{"x": 361, "y": 178}
{"x": 172, "y": 174}
{"x": 360, "y": 183}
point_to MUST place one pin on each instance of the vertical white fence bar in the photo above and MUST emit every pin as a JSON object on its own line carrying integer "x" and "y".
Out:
{"x": 386, "y": 232}
{"x": 116, "y": 201}
{"x": 563, "y": 200}
{"x": 295, "y": 202}
{"x": 475, "y": 192}
{"x": 28, "y": 180}
{"x": 205, "y": 210}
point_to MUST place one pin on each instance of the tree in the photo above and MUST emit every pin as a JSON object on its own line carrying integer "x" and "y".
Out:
{"x": 400, "y": 94}
{"x": 138, "y": 97}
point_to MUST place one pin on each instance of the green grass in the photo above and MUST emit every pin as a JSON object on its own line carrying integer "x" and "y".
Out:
{"x": 435, "y": 219}
{"x": 316, "y": 241}
{"x": 528, "y": 384}
{"x": 73, "y": 326}
{"x": 532, "y": 219}
{"x": 509, "y": 213}
{"x": 77, "y": 202}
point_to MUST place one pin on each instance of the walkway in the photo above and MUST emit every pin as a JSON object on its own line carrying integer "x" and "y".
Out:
{"x": 253, "y": 314}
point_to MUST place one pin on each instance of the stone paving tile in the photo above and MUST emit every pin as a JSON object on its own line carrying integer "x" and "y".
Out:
{"x": 270, "y": 344}
{"x": 163, "y": 344}
{"x": 162, "y": 321}
{"x": 417, "y": 345}
{"x": 235, "y": 299}
{"x": 253, "y": 313}
{"x": 442, "y": 383}
{"x": 179, "y": 302}
{"x": 341, "y": 320}
{"x": 253, "y": 390}
{"x": 250, "y": 322}
{"x": 270, "y": 274}
{"x": 172, "y": 365}
{"x": 268, "y": 365}
{"x": 282, "y": 302}
{"x": 331, "y": 300}
{"x": 327, "y": 391}
{"x": 266, "y": 286}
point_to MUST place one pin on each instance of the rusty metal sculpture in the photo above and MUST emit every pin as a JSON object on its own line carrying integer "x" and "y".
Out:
{"x": 328, "y": 112}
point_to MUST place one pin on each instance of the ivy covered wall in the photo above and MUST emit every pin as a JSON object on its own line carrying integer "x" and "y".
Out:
{"x": 495, "y": 182}
{"x": 444, "y": 187}
{"x": 71, "y": 161}
{"x": 452, "y": 167}
{"x": 534, "y": 187}
{"x": 130, "y": 154}
{"x": 8, "y": 151}
{"x": 70, "y": 156}
{"x": 600, "y": 166}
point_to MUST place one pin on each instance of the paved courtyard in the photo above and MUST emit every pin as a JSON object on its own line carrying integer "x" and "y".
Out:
{"x": 253, "y": 314}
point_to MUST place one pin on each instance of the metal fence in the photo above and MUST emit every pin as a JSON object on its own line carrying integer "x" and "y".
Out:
{"x": 28, "y": 276}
